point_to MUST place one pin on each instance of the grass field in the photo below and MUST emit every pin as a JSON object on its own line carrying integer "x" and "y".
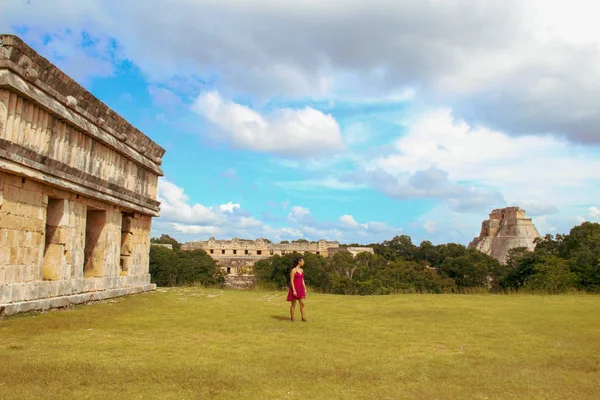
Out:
{"x": 196, "y": 343}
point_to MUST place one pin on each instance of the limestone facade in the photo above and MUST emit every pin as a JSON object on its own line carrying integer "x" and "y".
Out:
{"x": 352, "y": 250}
{"x": 237, "y": 256}
{"x": 506, "y": 228}
{"x": 78, "y": 188}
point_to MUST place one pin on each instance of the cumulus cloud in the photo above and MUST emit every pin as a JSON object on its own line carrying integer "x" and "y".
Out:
{"x": 536, "y": 208}
{"x": 517, "y": 66}
{"x": 187, "y": 222}
{"x": 229, "y": 207}
{"x": 175, "y": 207}
{"x": 298, "y": 133}
{"x": 431, "y": 183}
{"x": 474, "y": 168}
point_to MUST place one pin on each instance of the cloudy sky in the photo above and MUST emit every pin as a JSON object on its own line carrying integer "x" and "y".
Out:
{"x": 352, "y": 121}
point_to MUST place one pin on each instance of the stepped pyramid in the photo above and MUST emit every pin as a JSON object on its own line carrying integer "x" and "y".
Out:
{"x": 507, "y": 228}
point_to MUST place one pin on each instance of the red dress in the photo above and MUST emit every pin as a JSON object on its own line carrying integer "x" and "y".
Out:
{"x": 300, "y": 293}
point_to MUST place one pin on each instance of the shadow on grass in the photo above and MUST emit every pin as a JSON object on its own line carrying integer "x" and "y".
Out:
{"x": 280, "y": 317}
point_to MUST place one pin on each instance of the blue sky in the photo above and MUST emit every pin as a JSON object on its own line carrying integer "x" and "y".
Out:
{"x": 355, "y": 121}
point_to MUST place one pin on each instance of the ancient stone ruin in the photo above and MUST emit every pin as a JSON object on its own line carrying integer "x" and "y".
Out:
{"x": 78, "y": 189}
{"x": 506, "y": 229}
{"x": 237, "y": 256}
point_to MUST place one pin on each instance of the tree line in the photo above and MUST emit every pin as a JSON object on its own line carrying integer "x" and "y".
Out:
{"x": 559, "y": 263}
{"x": 179, "y": 268}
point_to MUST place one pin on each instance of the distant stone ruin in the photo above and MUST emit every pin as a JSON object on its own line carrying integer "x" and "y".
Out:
{"x": 352, "y": 250}
{"x": 78, "y": 189}
{"x": 237, "y": 257}
{"x": 506, "y": 229}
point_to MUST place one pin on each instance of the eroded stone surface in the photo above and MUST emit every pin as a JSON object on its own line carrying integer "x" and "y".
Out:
{"x": 506, "y": 229}
{"x": 75, "y": 202}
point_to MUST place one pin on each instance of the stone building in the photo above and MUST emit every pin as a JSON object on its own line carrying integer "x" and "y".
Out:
{"x": 78, "y": 188}
{"x": 352, "y": 250}
{"x": 237, "y": 256}
{"x": 506, "y": 228}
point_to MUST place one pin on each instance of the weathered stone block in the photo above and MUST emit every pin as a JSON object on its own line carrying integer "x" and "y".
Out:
{"x": 77, "y": 162}
{"x": 5, "y": 293}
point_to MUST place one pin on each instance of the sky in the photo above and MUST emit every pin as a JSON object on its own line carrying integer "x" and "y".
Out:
{"x": 353, "y": 121}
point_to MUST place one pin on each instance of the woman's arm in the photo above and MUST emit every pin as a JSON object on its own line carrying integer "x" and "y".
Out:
{"x": 303, "y": 284}
{"x": 292, "y": 273}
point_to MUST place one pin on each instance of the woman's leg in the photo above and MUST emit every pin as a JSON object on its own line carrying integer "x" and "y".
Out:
{"x": 302, "y": 309}
{"x": 292, "y": 309}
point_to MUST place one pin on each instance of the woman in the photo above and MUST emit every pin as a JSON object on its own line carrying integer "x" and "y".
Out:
{"x": 297, "y": 290}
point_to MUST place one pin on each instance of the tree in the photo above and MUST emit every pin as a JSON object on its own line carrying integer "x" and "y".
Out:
{"x": 429, "y": 254}
{"x": 166, "y": 239}
{"x": 551, "y": 275}
{"x": 176, "y": 268}
{"x": 582, "y": 247}
{"x": 548, "y": 244}
{"x": 398, "y": 248}
{"x": 473, "y": 269}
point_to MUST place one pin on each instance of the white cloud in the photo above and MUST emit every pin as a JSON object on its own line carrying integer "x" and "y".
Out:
{"x": 430, "y": 226}
{"x": 196, "y": 229}
{"x": 188, "y": 222}
{"x": 229, "y": 207}
{"x": 317, "y": 184}
{"x": 441, "y": 157}
{"x": 519, "y": 66}
{"x": 594, "y": 213}
{"x": 297, "y": 133}
{"x": 299, "y": 214}
{"x": 174, "y": 206}
{"x": 536, "y": 208}
{"x": 348, "y": 221}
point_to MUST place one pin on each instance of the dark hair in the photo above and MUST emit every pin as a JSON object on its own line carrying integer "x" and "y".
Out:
{"x": 297, "y": 261}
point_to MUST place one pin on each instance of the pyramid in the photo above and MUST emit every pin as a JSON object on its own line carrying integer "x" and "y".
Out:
{"x": 507, "y": 228}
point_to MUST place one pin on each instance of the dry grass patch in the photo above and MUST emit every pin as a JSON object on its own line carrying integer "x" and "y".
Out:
{"x": 196, "y": 343}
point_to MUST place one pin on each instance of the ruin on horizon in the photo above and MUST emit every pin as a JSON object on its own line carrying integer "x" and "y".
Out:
{"x": 506, "y": 229}
{"x": 78, "y": 188}
{"x": 237, "y": 256}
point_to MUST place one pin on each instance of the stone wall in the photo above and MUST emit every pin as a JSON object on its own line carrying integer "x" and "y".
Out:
{"x": 78, "y": 190}
{"x": 237, "y": 256}
{"x": 352, "y": 250}
{"x": 505, "y": 229}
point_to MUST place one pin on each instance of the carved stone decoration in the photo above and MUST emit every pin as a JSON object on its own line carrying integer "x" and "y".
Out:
{"x": 31, "y": 74}
{"x": 71, "y": 102}
{"x": 100, "y": 122}
{"x": 82, "y": 187}
{"x": 143, "y": 150}
{"x": 157, "y": 160}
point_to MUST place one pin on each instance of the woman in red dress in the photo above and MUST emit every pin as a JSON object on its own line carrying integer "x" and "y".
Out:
{"x": 297, "y": 290}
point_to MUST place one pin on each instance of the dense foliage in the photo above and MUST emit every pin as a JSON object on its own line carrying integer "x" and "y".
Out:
{"x": 397, "y": 266}
{"x": 177, "y": 268}
{"x": 558, "y": 264}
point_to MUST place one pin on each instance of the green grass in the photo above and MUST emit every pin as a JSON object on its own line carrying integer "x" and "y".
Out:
{"x": 196, "y": 343}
